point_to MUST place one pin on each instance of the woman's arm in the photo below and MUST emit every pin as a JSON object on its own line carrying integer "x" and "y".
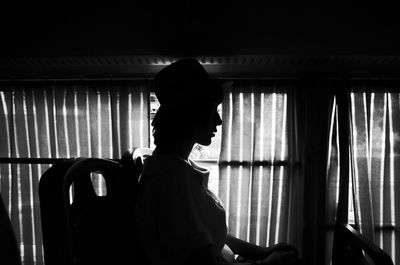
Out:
{"x": 204, "y": 256}
{"x": 245, "y": 249}
{"x": 254, "y": 252}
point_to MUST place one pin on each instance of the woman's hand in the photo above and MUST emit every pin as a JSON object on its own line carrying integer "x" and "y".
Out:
{"x": 250, "y": 251}
{"x": 282, "y": 247}
{"x": 280, "y": 257}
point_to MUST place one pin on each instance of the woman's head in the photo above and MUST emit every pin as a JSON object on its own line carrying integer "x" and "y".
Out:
{"x": 188, "y": 104}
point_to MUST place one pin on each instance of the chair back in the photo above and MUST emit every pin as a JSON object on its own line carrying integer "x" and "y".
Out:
{"x": 57, "y": 241}
{"x": 132, "y": 161}
{"x": 9, "y": 251}
{"x": 138, "y": 156}
{"x": 99, "y": 225}
{"x": 352, "y": 248}
{"x": 132, "y": 164}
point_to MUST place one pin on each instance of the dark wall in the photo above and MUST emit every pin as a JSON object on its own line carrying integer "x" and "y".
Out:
{"x": 187, "y": 28}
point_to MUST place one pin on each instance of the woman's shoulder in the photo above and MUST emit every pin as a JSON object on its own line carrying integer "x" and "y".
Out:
{"x": 166, "y": 165}
{"x": 170, "y": 175}
{"x": 161, "y": 161}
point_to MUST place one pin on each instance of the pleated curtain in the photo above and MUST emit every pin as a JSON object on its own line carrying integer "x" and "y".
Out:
{"x": 375, "y": 157}
{"x": 374, "y": 162}
{"x": 62, "y": 120}
{"x": 332, "y": 181}
{"x": 260, "y": 174}
{"x": 314, "y": 100}
{"x": 255, "y": 166}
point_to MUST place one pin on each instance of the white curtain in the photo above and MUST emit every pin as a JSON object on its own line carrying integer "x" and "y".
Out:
{"x": 62, "y": 120}
{"x": 257, "y": 161}
{"x": 374, "y": 159}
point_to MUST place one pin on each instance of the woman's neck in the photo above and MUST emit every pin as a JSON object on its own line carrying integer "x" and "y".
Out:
{"x": 182, "y": 149}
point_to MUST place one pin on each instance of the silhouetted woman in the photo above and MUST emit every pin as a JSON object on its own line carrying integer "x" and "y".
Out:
{"x": 179, "y": 220}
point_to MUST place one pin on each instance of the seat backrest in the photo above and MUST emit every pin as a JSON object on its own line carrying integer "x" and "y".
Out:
{"x": 99, "y": 224}
{"x": 57, "y": 241}
{"x": 352, "y": 248}
{"x": 133, "y": 159}
{"x": 9, "y": 251}
{"x": 138, "y": 156}
{"x": 132, "y": 164}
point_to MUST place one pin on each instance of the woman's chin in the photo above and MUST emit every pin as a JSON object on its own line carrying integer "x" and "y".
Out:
{"x": 204, "y": 142}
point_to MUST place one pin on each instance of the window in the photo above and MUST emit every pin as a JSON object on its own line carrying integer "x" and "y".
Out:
{"x": 40, "y": 123}
{"x": 255, "y": 171}
{"x": 374, "y": 164}
{"x": 43, "y": 122}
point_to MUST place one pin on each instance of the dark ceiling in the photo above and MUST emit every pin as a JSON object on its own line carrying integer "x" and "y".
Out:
{"x": 187, "y": 28}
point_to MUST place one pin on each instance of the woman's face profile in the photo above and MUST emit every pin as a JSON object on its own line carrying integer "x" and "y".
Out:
{"x": 206, "y": 124}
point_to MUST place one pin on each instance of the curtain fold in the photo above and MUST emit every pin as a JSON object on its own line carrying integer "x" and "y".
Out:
{"x": 375, "y": 149}
{"x": 373, "y": 156}
{"x": 337, "y": 178}
{"x": 314, "y": 108}
{"x": 62, "y": 120}
{"x": 255, "y": 166}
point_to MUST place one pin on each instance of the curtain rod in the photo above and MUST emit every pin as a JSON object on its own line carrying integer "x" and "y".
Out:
{"x": 67, "y": 79}
{"x": 222, "y": 76}
{"x": 18, "y": 160}
{"x": 370, "y": 78}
